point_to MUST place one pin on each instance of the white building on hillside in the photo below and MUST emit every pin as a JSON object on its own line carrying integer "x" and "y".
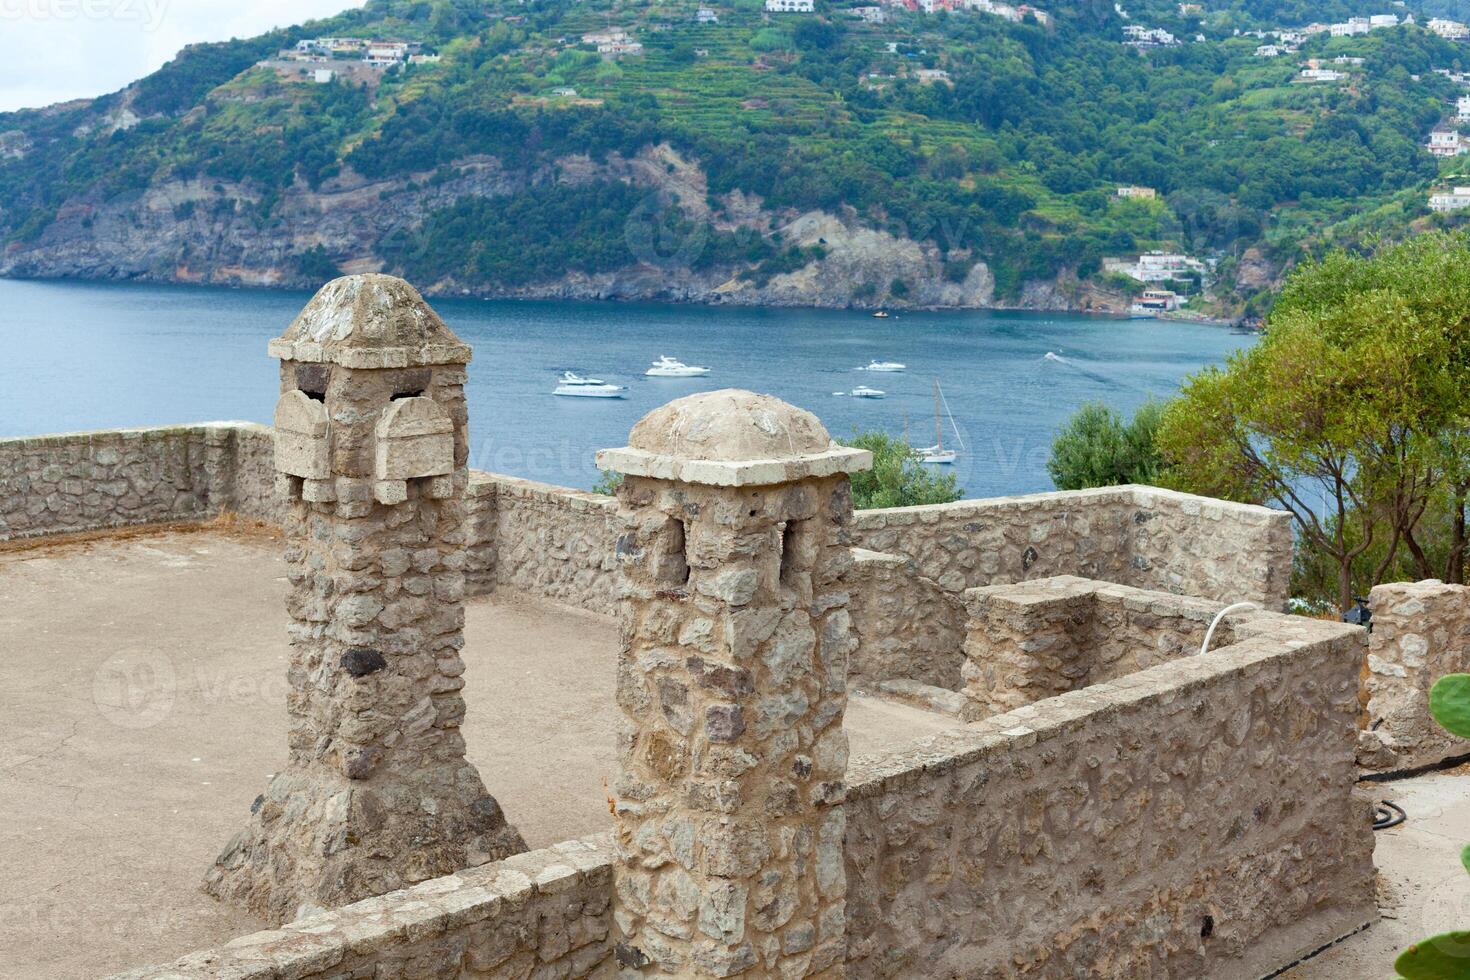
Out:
{"x": 1451, "y": 200}
{"x": 1447, "y": 143}
{"x": 1462, "y": 109}
{"x": 1452, "y": 30}
{"x": 1138, "y": 192}
{"x": 1321, "y": 75}
{"x": 1157, "y": 267}
{"x": 790, "y": 6}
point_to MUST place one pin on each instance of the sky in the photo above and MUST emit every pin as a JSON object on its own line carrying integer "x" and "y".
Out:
{"x": 55, "y": 50}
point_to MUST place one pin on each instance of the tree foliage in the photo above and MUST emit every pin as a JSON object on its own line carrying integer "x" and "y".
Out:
{"x": 897, "y": 478}
{"x": 1350, "y": 413}
{"x": 1097, "y": 448}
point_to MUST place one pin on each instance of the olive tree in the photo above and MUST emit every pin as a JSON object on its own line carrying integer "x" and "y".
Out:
{"x": 1349, "y": 413}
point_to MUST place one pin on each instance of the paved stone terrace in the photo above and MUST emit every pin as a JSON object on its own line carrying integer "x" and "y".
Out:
{"x": 142, "y": 687}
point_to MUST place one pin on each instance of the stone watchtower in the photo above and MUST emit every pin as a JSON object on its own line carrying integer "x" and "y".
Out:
{"x": 732, "y": 682}
{"x": 371, "y": 446}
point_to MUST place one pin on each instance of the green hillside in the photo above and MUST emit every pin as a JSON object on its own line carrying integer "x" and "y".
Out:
{"x": 1013, "y": 159}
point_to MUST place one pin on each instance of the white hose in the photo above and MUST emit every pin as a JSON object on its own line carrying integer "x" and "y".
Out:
{"x": 1209, "y": 633}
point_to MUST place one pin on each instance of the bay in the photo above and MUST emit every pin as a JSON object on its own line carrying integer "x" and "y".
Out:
{"x": 81, "y": 355}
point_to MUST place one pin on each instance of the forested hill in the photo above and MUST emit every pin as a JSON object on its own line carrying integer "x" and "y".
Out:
{"x": 948, "y": 159}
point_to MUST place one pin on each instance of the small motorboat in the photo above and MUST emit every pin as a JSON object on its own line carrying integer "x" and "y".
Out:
{"x": 881, "y": 315}
{"x": 884, "y": 366}
{"x": 591, "y": 391}
{"x": 863, "y": 391}
{"x": 571, "y": 379}
{"x": 668, "y": 367}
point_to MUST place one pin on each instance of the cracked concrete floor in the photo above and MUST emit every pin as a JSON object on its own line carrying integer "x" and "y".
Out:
{"x": 142, "y": 708}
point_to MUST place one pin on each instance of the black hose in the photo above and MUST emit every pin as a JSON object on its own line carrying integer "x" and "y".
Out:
{"x": 1386, "y": 814}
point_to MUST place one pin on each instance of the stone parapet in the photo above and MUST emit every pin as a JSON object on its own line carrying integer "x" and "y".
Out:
{"x": 1036, "y": 639}
{"x": 1421, "y": 631}
{"x": 1132, "y": 535}
{"x": 543, "y": 540}
{"x": 547, "y": 910}
{"x": 1194, "y": 819}
{"x": 88, "y": 481}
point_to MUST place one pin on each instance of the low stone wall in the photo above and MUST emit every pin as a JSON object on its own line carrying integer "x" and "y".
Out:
{"x": 1136, "y": 536}
{"x": 544, "y": 540}
{"x": 905, "y": 625}
{"x": 86, "y": 481}
{"x": 1194, "y": 819}
{"x": 545, "y": 913}
{"x": 1421, "y": 631}
{"x": 1132, "y": 535}
{"x": 1035, "y": 639}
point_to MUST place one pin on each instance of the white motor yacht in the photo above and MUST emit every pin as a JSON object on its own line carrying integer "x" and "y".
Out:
{"x": 582, "y": 390}
{"x": 884, "y": 366}
{"x": 571, "y": 378}
{"x": 668, "y": 367}
{"x": 863, "y": 391}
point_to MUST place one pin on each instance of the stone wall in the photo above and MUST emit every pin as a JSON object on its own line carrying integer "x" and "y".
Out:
{"x": 547, "y": 541}
{"x": 86, "y": 481}
{"x": 1193, "y": 819}
{"x": 905, "y": 625}
{"x": 1132, "y": 535}
{"x": 1137, "y": 536}
{"x": 1421, "y": 631}
{"x": 1036, "y": 639}
{"x": 545, "y": 913}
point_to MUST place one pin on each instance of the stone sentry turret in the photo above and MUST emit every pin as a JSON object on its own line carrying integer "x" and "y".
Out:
{"x": 732, "y": 682}
{"x": 371, "y": 447}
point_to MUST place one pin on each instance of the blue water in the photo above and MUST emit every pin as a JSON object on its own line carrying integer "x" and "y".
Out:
{"x": 89, "y": 356}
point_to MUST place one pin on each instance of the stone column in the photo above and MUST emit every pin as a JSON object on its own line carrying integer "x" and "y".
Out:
{"x": 732, "y": 681}
{"x": 1421, "y": 631}
{"x": 371, "y": 446}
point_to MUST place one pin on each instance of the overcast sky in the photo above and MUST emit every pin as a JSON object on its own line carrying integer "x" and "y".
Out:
{"x": 54, "y": 50}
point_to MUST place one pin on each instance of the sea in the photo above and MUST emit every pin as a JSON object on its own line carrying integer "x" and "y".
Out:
{"x": 76, "y": 356}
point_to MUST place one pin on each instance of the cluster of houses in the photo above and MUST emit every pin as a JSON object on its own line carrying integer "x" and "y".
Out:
{"x": 1152, "y": 267}
{"x": 1450, "y": 30}
{"x": 1358, "y": 25}
{"x": 878, "y": 15}
{"x": 1147, "y": 37}
{"x": 375, "y": 53}
{"x": 356, "y": 60}
{"x": 615, "y": 43}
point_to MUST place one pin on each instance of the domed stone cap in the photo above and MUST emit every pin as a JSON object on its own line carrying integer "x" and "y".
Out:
{"x": 369, "y": 321}
{"x": 731, "y": 438}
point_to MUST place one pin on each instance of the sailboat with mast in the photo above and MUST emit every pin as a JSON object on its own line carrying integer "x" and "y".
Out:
{"x": 937, "y": 453}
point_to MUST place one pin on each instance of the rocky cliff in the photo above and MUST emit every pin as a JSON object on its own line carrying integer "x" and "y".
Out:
{"x": 210, "y": 231}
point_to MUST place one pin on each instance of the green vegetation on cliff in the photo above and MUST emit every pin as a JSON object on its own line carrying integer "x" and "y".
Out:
{"x": 1012, "y": 159}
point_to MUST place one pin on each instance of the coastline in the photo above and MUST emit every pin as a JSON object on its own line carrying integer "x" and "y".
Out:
{"x": 555, "y": 294}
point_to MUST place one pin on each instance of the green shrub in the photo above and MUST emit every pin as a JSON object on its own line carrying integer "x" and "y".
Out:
{"x": 897, "y": 478}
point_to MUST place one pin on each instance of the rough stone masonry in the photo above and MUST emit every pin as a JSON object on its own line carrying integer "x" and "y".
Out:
{"x": 371, "y": 446}
{"x": 733, "y": 682}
